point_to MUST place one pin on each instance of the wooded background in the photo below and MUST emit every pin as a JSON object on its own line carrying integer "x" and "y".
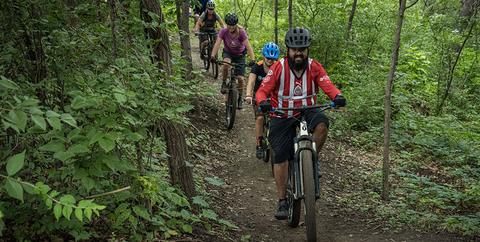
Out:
{"x": 93, "y": 97}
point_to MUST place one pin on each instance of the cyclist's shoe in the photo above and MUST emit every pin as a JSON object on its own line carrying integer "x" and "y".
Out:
{"x": 202, "y": 55}
{"x": 259, "y": 152}
{"x": 282, "y": 210}
{"x": 240, "y": 103}
{"x": 223, "y": 90}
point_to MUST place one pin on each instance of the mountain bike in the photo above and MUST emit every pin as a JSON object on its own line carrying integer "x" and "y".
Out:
{"x": 303, "y": 173}
{"x": 212, "y": 38}
{"x": 231, "y": 97}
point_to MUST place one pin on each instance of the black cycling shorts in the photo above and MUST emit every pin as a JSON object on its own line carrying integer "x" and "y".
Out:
{"x": 239, "y": 70}
{"x": 283, "y": 130}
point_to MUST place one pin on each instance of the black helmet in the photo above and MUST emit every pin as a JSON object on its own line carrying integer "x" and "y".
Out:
{"x": 298, "y": 37}
{"x": 231, "y": 19}
{"x": 211, "y": 5}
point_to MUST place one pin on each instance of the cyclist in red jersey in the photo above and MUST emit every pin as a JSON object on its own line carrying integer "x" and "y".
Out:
{"x": 294, "y": 81}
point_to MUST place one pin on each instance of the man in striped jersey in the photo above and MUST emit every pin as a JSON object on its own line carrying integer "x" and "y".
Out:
{"x": 294, "y": 81}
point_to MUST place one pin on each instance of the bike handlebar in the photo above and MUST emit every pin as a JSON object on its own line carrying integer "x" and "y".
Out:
{"x": 279, "y": 111}
{"x": 233, "y": 64}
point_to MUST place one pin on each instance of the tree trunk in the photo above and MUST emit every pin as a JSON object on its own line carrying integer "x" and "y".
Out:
{"x": 388, "y": 93}
{"x": 276, "y": 22}
{"x": 468, "y": 12}
{"x": 180, "y": 173}
{"x": 290, "y": 18}
{"x": 350, "y": 20}
{"x": 113, "y": 18}
{"x": 160, "y": 49}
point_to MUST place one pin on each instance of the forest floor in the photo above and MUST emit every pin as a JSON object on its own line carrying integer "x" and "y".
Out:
{"x": 248, "y": 197}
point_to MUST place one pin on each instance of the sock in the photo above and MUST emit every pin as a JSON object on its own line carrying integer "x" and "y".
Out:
{"x": 225, "y": 81}
{"x": 259, "y": 138}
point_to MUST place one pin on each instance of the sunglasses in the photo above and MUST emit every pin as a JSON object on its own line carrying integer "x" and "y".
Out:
{"x": 210, "y": 8}
{"x": 271, "y": 59}
{"x": 299, "y": 49}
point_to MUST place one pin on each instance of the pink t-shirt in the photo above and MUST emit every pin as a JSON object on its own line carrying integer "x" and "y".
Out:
{"x": 233, "y": 45}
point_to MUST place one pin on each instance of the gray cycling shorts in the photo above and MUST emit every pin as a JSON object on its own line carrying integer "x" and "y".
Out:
{"x": 282, "y": 132}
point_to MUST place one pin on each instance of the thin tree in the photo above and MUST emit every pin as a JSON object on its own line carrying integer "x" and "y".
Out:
{"x": 276, "y": 22}
{"x": 388, "y": 94}
{"x": 250, "y": 6}
{"x": 290, "y": 18}
{"x": 467, "y": 16}
{"x": 177, "y": 150}
{"x": 350, "y": 19}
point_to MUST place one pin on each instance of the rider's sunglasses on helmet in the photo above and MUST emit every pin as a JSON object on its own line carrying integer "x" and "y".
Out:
{"x": 299, "y": 49}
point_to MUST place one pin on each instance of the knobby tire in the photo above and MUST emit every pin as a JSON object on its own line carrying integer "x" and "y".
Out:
{"x": 231, "y": 104}
{"x": 266, "y": 145}
{"x": 309, "y": 191}
{"x": 294, "y": 205}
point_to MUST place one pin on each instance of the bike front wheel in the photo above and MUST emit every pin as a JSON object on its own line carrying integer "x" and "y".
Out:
{"x": 215, "y": 68}
{"x": 293, "y": 204}
{"x": 308, "y": 190}
{"x": 231, "y": 104}
{"x": 206, "y": 61}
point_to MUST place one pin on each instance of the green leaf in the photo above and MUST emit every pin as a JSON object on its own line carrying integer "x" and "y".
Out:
{"x": 187, "y": 228}
{"x": 185, "y": 108}
{"x": 28, "y": 189}
{"x": 88, "y": 72}
{"x": 88, "y": 213}
{"x": 63, "y": 155}
{"x": 79, "y": 214}
{"x": 214, "y": 181}
{"x": 39, "y": 121}
{"x": 67, "y": 118}
{"x": 52, "y": 114}
{"x": 96, "y": 137}
{"x": 15, "y": 163}
{"x": 14, "y": 189}
{"x": 227, "y": 223}
{"x": 8, "y": 84}
{"x": 79, "y": 149}
{"x": 30, "y": 102}
{"x": 88, "y": 182}
{"x": 104, "y": 75}
{"x": 54, "y": 146}
{"x": 68, "y": 199}
{"x": 22, "y": 120}
{"x": 185, "y": 214}
{"x": 200, "y": 201}
{"x": 142, "y": 212}
{"x": 123, "y": 217}
{"x": 55, "y": 123}
{"x": 67, "y": 211}
{"x": 120, "y": 97}
{"x": 135, "y": 136}
{"x": 120, "y": 62}
{"x": 80, "y": 173}
{"x": 106, "y": 144}
{"x": 49, "y": 203}
{"x": 57, "y": 210}
{"x": 129, "y": 69}
{"x": 209, "y": 214}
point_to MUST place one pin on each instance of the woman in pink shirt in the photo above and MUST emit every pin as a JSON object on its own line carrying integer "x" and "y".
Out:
{"x": 235, "y": 46}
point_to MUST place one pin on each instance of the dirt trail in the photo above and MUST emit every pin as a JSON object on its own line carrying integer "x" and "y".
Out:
{"x": 248, "y": 199}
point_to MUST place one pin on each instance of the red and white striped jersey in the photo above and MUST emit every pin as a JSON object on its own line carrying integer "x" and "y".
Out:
{"x": 289, "y": 91}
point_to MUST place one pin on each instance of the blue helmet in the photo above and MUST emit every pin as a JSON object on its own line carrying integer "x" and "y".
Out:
{"x": 270, "y": 50}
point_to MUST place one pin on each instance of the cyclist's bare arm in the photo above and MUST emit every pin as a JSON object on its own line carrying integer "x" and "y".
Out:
{"x": 216, "y": 47}
{"x": 249, "y": 49}
{"x": 251, "y": 81}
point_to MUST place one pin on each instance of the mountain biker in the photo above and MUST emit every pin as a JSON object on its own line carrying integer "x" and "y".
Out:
{"x": 236, "y": 45}
{"x": 207, "y": 24}
{"x": 200, "y": 6}
{"x": 257, "y": 73}
{"x": 293, "y": 81}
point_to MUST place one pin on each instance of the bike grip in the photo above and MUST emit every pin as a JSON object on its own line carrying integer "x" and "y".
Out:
{"x": 333, "y": 104}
